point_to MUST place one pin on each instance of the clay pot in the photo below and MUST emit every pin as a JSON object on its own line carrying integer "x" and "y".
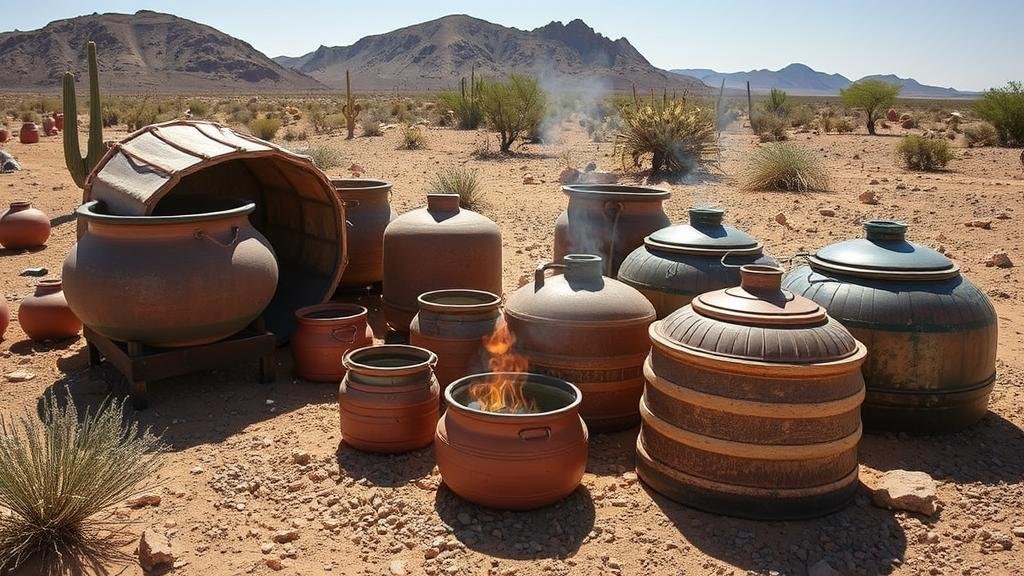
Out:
{"x": 22, "y": 227}
{"x": 49, "y": 126}
{"x": 5, "y": 317}
{"x": 608, "y": 220}
{"x": 45, "y": 314}
{"x": 588, "y": 330}
{"x": 438, "y": 247}
{"x": 453, "y": 324}
{"x": 931, "y": 334}
{"x": 29, "y": 133}
{"x": 324, "y": 333}
{"x": 173, "y": 280}
{"x": 389, "y": 398}
{"x": 513, "y": 461}
{"x": 58, "y": 119}
{"x": 368, "y": 212}
{"x": 892, "y": 115}
{"x": 5, "y": 134}
{"x": 752, "y": 404}
{"x": 679, "y": 262}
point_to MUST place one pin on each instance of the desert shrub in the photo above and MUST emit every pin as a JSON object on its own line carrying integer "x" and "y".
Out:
{"x": 843, "y": 125}
{"x": 769, "y": 127}
{"x": 265, "y": 128}
{"x": 58, "y": 472}
{"x": 200, "y": 109}
{"x": 920, "y": 153}
{"x": 776, "y": 104}
{"x": 784, "y": 166}
{"x": 29, "y": 116}
{"x": 677, "y": 136}
{"x": 512, "y": 108}
{"x": 413, "y": 138}
{"x": 825, "y": 123}
{"x": 460, "y": 181}
{"x": 981, "y": 134}
{"x": 1004, "y": 108}
{"x": 371, "y": 126}
{"x": 873, "y": 96}
{"x": 323, "y": 156}
{"x": 801, "y": 116}
{"x": 291, "y": 135}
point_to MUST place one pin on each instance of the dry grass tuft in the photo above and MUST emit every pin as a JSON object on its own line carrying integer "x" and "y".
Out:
{"x": 461, "y": 181}
{"x": 784, "y": 166}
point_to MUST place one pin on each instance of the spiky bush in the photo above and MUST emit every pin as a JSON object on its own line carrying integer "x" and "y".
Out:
{"x": 323, "y": 156}
{"x": 58, "y": 473}
{"x": 676, "y": 136}
{"x": 981, "y": 134}
{"x": 413, "y": 138}
{"x": 784, "y": 166}
{"x": 265, "y": 128}
{"x": 843, "y": 125}
{"x": 371, "y": 126}
{"x": 769, "y": 127}
{"x": 513, "y": 108}
{"x": 1004, "y": 108}
{"x": 465, "y": 103}
{"x": 461, "y": 181}
{"x": 776, "y": 104}
{"x": 920, "y": 153}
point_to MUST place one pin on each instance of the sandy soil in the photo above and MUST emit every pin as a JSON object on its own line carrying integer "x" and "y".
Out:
{"x": 231, "y": 479}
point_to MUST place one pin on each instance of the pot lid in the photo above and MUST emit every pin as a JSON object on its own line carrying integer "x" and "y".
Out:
{"x": 884, "y": 252}
{"x": 705, "y": 234}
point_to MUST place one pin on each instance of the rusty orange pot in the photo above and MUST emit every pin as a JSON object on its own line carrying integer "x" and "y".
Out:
{"x": 513, "y": 461}
{"x": 367, "y": 213}
{"x": 453, "y": 324}
{"x": 22, "y": 226}
{"x": 389, "y": 399}
{"x": 45, "y": 314}
{"x": 324, "y": 333}
{"x": 29, "y": 133}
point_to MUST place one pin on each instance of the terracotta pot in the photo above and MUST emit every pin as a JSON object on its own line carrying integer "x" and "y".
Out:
{"x": 588, "y": 330}
{"x": 173, "y": 280}
{"x": 513, "y": 461}
{"x": 752, "y": 404}
{"x": 438, "y": 247}
{"x": 45, "y": 315}
{"x": 5, "y": 317}
{"x": 931, "y": 334}
{"x": 608, "y": 220}
{"x": 389, "y": 398}
{"x": 49, "y": 126}
{"x": 368, "y": 212}
{"x": 5, "y": 134}
{"x": 29, "y": 133}
{"x": 58, "y": 119}
{"x": 324, "y": 334}
{"x": 22, "y": 227}
{"x": 679, "y": 262}
{"x": 453, "y": 324}
{"x": 892, "y": 115}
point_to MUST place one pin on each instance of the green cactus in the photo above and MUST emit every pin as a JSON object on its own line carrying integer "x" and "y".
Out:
{"x": 350, "y": 109}
{"x": 78, "y": 166}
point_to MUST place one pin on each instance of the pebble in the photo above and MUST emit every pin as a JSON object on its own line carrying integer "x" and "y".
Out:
{"x": 143, "y": 500}
{"x": 283, "y": 536}
{"x": 397, "y": 568}
{"x": 20, "y": 376}
{"x": 828, "y": 212}
{"x": 999, "y": 259}
{"x": 868, "y": 197}
{"x": 274, "y": 564}
{"x": 908, "y": 490}
{"x": 154, "y": 550}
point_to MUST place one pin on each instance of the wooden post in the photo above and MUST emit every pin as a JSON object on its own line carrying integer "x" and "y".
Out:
{"x": 750, "y": 104}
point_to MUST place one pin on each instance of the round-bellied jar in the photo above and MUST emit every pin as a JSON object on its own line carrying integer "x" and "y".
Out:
{"x": 367, "y": 213}
{"x": 324, "y": 333}
{"x": 752, "y": 403}
{"x": 679, "y": 262}
{"x": 29, "y": 133}
{"x": 23, "y": 226}
{"x": 45, "y": 314}
{"x": 453, "y": 324}
{"x": 931, "y": 334}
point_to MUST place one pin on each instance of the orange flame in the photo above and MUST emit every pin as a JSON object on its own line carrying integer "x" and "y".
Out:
{"x": 503, "y": 393}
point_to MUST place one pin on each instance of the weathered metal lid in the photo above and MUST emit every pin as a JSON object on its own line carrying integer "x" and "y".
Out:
{"x": 704, "y": 235}
{"x": 885, "y": 253}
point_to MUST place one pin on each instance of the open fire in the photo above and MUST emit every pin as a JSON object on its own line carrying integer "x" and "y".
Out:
{"x": 503, "y": 391}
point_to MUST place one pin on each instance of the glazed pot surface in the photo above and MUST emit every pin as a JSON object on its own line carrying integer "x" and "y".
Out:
{"x": 324, "y": 334}
{"x": 22, "y": 226}
{"x": 45, "y": 314}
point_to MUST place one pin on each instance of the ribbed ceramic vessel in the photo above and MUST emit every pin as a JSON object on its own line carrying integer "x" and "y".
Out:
{"x": 453, "y": 324}
{"x": 367, "y": 212}
{"x": 324, "y": 333}
{"x": 45, "y": 315}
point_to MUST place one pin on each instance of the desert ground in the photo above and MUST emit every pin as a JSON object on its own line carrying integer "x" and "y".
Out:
{"x": 247, "y": 460}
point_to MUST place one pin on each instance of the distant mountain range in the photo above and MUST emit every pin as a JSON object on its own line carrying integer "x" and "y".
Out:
{"x": 802, "y": 80}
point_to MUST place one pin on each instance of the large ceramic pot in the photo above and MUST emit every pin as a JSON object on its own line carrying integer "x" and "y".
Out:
{"x": 453, "y": 324}
{"x": 45, "y": 314}
{"x": 608, "y": 220}
{"x": 679, "y": 262}
{"x": 512, "y": 460}
{"x": 752, "y": 403}
{"x": 174, "y": 280}
{"x": 389, "y": 399}
{"x": 368, "y": 212}
{"x": 29, "y": 133}
{"x": 931, "y": 334}
{"x": 438, "y": 247}
{"x": 589, "y": 330}
{"x": 324, "y": 333}
{"x": 22, "y": 226}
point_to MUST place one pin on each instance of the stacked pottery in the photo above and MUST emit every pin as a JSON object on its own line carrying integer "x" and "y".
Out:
{"x": 324, "y": 333}
{"x": 752, "y": 403}
{"x": 368, "y": 212}
{"x": 22, "y": 227}
{"x": 389, "y": 399}
{"x": 931, "y": 334}
{"x": 45, "y": 314}
{"x": 453, "y": 324}
{"x": 679, "y": 262}
{"x": 589, "y": 330}
{"x": 29, "y": 133}
{"x": 438, "y": 247}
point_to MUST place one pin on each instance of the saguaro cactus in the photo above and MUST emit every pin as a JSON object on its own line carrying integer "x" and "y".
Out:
{"x": 78, "y": 166}
{"x": 350, "y": 109}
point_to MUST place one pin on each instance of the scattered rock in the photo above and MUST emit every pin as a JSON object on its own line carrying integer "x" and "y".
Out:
{"x": 154, "y": 550}
{"x": 569, "y": 176}
{"x": 873, "y": 182}
{"x": 827, "y": 212}
{"x": 822, "y": 568}
{"x": 590, "y": 167}
{"x": 868, "y": 197}
{"x": 284, "y": 536}
{"x": 905, "y": 490}
{"x": 143, "y": 500}
{"x": 1017, "y": 531}
{"x": 356, "y": 169}
{"x": 274, "y": 564}
{"x": 979, "y": 223}
{"x": 781, "y": 219}
{"x": 20, "y": 376}
{"x": 300, "y": 457}
{"x": 999, "y": 259}
{"x": 267, "y": 547}
{"x": 1002, "y": 216}
{"x": 598, "y": 177}
{"x": 531, "y": 179}
{"x": 37, "y": 271}
{"x": 397, "y": 568}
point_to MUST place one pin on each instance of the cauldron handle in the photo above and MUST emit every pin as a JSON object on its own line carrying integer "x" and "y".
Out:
{"x": 542, "y": 433}
{"x": 201, "y": 235}
{"x": 538, "y": 274}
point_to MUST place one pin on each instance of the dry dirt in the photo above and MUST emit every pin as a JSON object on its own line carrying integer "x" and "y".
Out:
{"x": 230, "y": 480}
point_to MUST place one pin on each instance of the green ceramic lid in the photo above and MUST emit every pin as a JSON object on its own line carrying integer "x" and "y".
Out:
{"x": 884, "y": 252}
{"x": 705, "y": 235}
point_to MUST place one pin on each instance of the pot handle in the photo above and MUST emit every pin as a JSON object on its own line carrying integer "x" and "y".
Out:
{"x": 542, "y": 433}
{"x": 346, "y": 335}
{"x": 538, "y": 274}
{"x": 350, "y": 203}
{"x": 201, "y": 235}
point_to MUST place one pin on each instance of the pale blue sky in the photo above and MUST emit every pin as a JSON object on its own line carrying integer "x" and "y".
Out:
{"x": 968, "y": 45}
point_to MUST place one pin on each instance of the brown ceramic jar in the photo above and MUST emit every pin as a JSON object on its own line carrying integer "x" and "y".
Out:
{"x": 513, "y": 461}
{"x": 368, "y": 212}
{"x": 45, "y": 314}
{"x": 389, "y": 399}
{"x": 22, "y": 226}
{"x": 5, "y": 317}
{"x": 29, "y": 133}
{"x": 453, "y": 324}
{"x": 608, "y": 220}
{"x": 324, "y": 333}
{"x": 438, "y": 247}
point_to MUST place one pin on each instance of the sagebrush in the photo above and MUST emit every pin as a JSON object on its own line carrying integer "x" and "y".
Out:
{"x": 677, "y": 137}
{"x": 323, "y": 156}
{"x": 413, "y": 138}
{"x": 981, "y": 134}
{"x": 920, "y": 153}
{"x": 784, "y": 166}
{"x": 265, "y": 128}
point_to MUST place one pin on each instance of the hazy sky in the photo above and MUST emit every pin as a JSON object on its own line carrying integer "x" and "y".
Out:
{"x": 968, "y": 45}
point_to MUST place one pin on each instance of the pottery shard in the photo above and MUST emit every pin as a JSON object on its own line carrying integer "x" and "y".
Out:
{"x": 999, "y": 259}
{"x": 905, "y": 490}
{"x": 154, "y": 550}
{"x": 868, "y": 197}
{"x": 598, "y": 177}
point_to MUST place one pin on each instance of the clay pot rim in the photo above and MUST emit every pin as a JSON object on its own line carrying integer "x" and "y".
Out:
{"x": 488, "y": 300}
{"x": 356, "y": 312}
{"x": 541, "y": 379}
{"x": 350, "y": 360}
{"x": 50, "y": 282}
{"x": 617, "y": 192}
{"x": 88, "y": 212}
{"x": 20, "y": 204}
{"x": 359, "y": 184}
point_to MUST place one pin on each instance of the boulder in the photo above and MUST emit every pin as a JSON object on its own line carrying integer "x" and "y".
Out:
{"x": 907, "y": 490}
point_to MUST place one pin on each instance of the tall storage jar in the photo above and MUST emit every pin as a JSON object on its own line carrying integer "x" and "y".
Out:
{"x": 367, "y": 212}
{"x": 453, "y": 324}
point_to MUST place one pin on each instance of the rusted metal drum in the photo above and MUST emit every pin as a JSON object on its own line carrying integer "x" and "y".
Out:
{"x": 589, "y": 330}
{"x": 389, "y": 398}
{"x": 931, "y": 334}
{"x": 367, "y": 212}
{"x": 679, "y": 262}
{"x": 513, "y": 461}
{"x": 453, "y": 324}
{"x": 608, "y": 220}
{"x": 752, "y": 403}
{"x": 324, "y": 333}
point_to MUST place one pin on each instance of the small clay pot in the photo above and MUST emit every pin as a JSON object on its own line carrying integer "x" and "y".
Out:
{"x": 22, "y": 226}
{"x": 45, "y": 314}
{"x": 389, "y": 399}
{"x": 29, "y": 133}
{"x": 323, "y": 334}
{"x": 453, "y": 324}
